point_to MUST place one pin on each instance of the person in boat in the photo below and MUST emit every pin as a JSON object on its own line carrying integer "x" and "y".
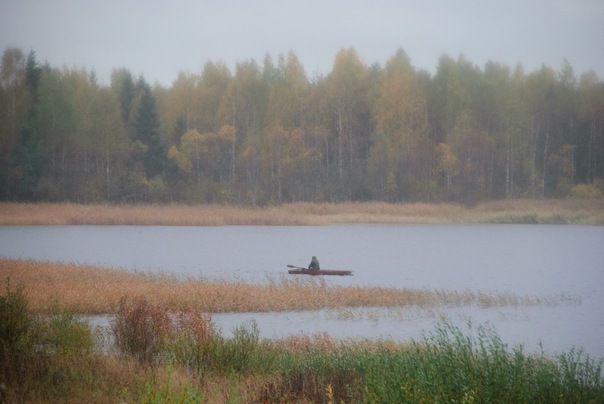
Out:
{"x": 314, "y": 264}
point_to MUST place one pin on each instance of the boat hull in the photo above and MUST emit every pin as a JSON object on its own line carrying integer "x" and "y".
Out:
{"x": 302, "y": 271}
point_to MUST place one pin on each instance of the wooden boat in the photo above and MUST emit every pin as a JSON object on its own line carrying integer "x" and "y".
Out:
{"x": 305, "y": 271}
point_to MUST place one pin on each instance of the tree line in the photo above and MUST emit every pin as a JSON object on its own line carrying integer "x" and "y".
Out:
{"x": 267, "y": 133}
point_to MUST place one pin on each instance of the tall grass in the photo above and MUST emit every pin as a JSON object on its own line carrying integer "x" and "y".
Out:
{"x": 546, "y": 211}
{"x": 447, "y": 365}
{"x": 56, "y": 364}
{"x": 575, "y": 211}
{"x": 92, "y": 290}
{"x": 450, "y": 365}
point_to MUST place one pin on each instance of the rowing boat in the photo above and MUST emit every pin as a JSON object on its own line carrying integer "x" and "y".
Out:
{"x": 319, "y": 272}
{"x": 305, "y": 271}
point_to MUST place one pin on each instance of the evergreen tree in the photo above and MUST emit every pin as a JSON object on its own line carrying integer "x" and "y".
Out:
{"x": 30, "y": 153}
{"x": 33, "y": 75}
{"x": 147, "y": 132}
{"x": 127, "y": 94}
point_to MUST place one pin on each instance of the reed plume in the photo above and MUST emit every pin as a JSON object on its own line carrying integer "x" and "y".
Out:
{"x": 92, "y": 290}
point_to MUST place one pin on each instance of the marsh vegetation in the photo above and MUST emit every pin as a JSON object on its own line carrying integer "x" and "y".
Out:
{"x": 548, "y": 211}
{"x": 166, "y": 346}
{"x": 166, "y": 356}
{"x": 85, "y": 289}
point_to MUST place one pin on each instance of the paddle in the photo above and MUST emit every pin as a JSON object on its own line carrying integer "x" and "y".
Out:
{"x": 295, "y": 267}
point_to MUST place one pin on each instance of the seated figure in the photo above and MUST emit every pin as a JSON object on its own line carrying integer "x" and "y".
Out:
{"x": 314, "y": 263}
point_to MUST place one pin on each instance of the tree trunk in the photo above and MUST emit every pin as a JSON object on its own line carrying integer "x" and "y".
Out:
{"x": 591, "y": 160}
{"x": 340, "y": 146}
{"x": 544, "y": 162}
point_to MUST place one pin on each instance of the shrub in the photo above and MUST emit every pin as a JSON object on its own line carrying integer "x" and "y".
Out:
{"x": 68, "y": 335}
{"x": 37, "y": 356}
{"x": 193, "y": 342}
{"x": 580, "y": 375}
{"x": 156, "y": 391}
{"x": 19, "y": 337}
{"x": 316, "y": 373}
{"x": 585, "y": 191}
{"x": 240, "y": 348}
{"x": 140, "y": 328}
{"x": 151, "y": 333}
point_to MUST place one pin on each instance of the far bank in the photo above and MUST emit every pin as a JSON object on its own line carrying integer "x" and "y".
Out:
{"x": 521, "y": 211}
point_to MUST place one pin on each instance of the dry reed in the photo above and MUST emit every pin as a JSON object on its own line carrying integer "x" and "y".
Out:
{"x": 576, "y": 211}
{"x": 92, "y": 290}
{"x": 543, "y": 211}
{"x": 322, "y": 342}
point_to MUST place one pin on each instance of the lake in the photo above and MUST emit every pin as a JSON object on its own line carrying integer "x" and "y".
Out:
{"x": 533, "y": 260}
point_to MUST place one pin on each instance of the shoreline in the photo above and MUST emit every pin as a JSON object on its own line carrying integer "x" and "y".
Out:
{"x": 518, "y": 211}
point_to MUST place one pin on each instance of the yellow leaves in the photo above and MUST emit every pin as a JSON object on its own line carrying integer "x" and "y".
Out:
{"x": 348, "y": 68}
{"x": 173, "y": 153}
{"x": 446, "y": 157}
{"x": 401, "y": 108}
{"x": 193, "y": 149}
{"x": 192, "y": 142}
{"x": 329, "y": 391}
{"x": 288, "y": 150}
{"x": 228, "y": 132}
{"x": 182, "y": 162}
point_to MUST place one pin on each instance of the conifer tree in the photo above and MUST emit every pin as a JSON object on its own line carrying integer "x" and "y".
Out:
{"x": 147, "y": 132}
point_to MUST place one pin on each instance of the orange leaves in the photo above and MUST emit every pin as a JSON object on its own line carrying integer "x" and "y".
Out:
{"x": 446, "y": 157}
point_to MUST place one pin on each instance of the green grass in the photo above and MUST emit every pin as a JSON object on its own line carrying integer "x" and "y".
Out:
{"x": 450, "y": 365}
{"x": 166, "y": 356}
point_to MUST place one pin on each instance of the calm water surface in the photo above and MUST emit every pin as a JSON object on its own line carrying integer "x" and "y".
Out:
{"x": 525, "y": 260}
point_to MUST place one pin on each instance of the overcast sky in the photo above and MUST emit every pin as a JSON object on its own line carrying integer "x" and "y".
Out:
{"x": 160, "y": 38}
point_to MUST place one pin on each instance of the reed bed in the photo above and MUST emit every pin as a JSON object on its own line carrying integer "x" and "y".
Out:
{"x": 87, "y": 289}
{"x": 162, "y": 356}
{"x": 562, "y": 211}
{"x": 544, "y": 211}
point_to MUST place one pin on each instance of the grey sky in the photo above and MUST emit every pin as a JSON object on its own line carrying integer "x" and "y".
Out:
{"x": 160, "y": 38}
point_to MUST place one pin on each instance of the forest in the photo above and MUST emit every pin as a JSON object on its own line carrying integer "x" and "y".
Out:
{"x": 267, "y": 133}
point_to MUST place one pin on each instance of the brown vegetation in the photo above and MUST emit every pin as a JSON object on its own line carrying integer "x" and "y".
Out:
{"x": 165, "y": 356}
{"x": 542, "y": 211}
{"x": 91, "y": 290}
{"x": 562, "y": 211}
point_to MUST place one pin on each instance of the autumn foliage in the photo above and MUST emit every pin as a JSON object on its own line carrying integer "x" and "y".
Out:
{"x": 267, "y": 133}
